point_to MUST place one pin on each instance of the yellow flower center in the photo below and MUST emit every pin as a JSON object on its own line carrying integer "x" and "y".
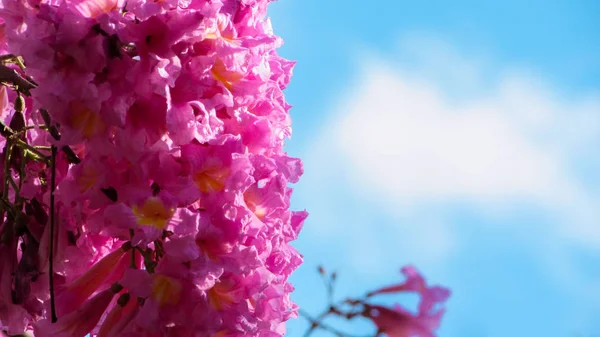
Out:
{"x": 211, "y": 180}
{"x": 253, "y": 201}
{"x": 87, "y": 178}
{"x": 220, "y": 31}
{"x": 221, "y": 74}
{"x": 220, "y": 297}
{"x": 93, "y": 8}
{"x": 166, "y": 290}
{"x": 86, "y": 120}
{"x": 153, "y": 213}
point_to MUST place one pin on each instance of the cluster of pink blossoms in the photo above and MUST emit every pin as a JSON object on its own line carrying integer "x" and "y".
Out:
{"x": 172, "y": 202}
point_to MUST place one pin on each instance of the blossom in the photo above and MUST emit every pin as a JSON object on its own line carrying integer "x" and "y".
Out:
{"x": 108, "y": 270}
{"x": 119, "y": 316}
{"x": 430, "y": 296}
{"x": 80, "y": 322}
{"x": 171, "y": 178}
{"x": 397, "y": 321}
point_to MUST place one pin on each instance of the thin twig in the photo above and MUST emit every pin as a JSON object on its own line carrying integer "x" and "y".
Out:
{"x": 15, "y": 187}
{"x": 10, "y": 75}
{"x": 330, "y": 287}
{"x": 20, "y": 143}
{"x": 18, "y": 198}
{"x": 9, "y": 133}
{"x": 318, "y": 324}
{"x": 8, "y": 206}
{"x": 52, "y": 216}
{"x": 132, "y": 263}
{"x": 8, "y": 148}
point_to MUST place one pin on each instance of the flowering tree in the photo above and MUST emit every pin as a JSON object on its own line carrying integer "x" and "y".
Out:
{"x": 145, "y": 187}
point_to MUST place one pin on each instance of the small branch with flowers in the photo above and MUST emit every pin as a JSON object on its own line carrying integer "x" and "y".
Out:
{"x": 393, "y": 321}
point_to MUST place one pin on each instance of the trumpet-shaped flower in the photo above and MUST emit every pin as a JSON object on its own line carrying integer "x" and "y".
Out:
{"x": 80, "y": 322}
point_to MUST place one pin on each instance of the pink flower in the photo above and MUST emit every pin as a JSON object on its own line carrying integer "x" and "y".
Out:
{"x": 81, "y": 321}
{"x": 210, "y": 166}
{"x": 149, "y": 114}
{"x": 397, "y": 322}
{"x": 14, "y": 317}
{"x": 120, "y": 315}
{"x": 148, "y": 216}
{"x": 169, "y": 298}
{"x": 108, "y": 270}
{"x": 430, "y": 296}
{"x": 93, "y": 8}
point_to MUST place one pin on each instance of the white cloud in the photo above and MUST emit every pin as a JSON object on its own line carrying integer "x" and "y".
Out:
{"x": 410, "y": 142}
{"x": 406, "y": 140}
{"x": 445, "y": 134}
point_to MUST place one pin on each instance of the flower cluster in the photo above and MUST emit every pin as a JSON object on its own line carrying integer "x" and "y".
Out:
{"x": 165, "y": 209}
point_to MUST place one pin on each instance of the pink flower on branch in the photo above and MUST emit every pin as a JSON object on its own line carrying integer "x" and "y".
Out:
{"x": 398, "y": 322}
{"x": 430, "y": 296}
{"x": 395, "y": 321}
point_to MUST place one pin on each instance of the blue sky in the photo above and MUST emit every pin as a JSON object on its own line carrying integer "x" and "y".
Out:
{"x": 462, "y": 137}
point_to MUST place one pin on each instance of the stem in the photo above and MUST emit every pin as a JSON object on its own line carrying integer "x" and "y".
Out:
{"x": 18, "y": 199}
{"x": 15, "y": 187}
{"x": 42, "y": 147}
{"x": 149, "y": 263}
{"x": 318, "y": 324}
{"x": 33, "y": 127}
{"x": 7, "y": 58}
{"x": 8, "y": 207}
{"x": 8, "y": 149}
{"x": 132, "y": 263}
{"x": 26, "y": 146}
{"x": 314, "y": 322}
{"x": 9, "y": 133}
{"x": 12, "y": 76}
{"x": 133, "y": 259}
{"x": 51, "y": 262}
